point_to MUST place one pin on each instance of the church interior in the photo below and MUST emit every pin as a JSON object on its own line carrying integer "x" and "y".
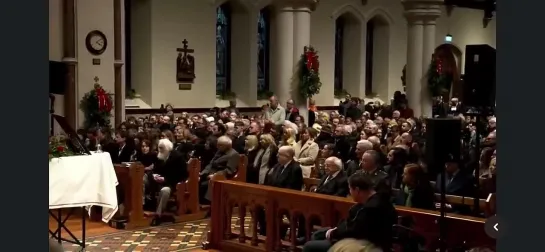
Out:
{"x": 313, "y": 80}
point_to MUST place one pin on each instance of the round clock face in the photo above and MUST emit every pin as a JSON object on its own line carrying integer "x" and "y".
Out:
{"x": 96, "y": 42}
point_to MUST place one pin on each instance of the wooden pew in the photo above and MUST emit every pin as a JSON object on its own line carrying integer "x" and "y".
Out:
{"x": 310, "y": 184}
{"x": 328, "y": 210}
{"x": 131, "y": 180}
{"x": 189, "y": 208}
{"x": 187, "y": 194}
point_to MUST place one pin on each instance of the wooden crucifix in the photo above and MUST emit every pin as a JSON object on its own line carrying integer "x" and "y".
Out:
{"x": 185, "y": 64}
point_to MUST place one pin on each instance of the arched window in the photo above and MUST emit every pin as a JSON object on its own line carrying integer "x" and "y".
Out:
{"x": 339, "y": 27}
{"x": 223, "y": 49}
{"x": 263, "y": 32}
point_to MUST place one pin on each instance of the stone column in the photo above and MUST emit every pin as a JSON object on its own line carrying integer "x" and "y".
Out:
{"x": 421, "y": 16}
{"x": 283, "y": 55}
{"x": 119, "y": 94}
{"x": 301, "y": 39}
{"x": 414, "y": 64}
{"x": 69, "y": 58}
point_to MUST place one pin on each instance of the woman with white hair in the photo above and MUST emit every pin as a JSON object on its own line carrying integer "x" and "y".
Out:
{"x": 288, "y": 137}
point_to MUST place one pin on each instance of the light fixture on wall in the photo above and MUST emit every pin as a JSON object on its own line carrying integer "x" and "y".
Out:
{"x": 448, "y": 38}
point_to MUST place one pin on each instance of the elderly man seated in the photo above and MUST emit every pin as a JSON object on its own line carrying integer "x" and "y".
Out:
{"x": 225, "y": 162}
{"x": 335, "y": 182}
{"x": 169, "y": 170}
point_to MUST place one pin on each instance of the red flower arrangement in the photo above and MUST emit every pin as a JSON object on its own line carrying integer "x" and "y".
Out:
{"x": 97, "y": 107}
{"x": 58, "y": 147}
{"x": 309, "y": 84}
{"x": 439, "y": 80}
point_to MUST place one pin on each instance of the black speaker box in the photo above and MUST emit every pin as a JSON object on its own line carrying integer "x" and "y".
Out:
{"x": 57, "y": 77}
{"x": 443, "y": 139}
{"x": 479, "y": 76}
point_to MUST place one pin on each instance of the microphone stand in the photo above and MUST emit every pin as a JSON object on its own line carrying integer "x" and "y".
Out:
{"x": 442, "y": 217}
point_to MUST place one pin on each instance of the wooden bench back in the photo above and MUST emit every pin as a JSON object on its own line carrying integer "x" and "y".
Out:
{"x": 242, "y": 169}
{"x": 325, "y": 209}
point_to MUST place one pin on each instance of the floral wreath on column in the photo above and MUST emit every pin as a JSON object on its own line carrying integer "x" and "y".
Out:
{"x": 97, "y": 107}
{"x": 439, "y": 80}
{"x": 309, "y": 78}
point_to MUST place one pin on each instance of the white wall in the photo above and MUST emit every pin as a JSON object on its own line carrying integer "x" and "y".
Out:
{"x": 157, "y": 34}
{"x": 55, "y": 30}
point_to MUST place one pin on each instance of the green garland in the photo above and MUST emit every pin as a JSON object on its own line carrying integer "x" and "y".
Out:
{"x": 438, "y": 80}
{"x": 97, "y": 108}
{"x": 309, "y": 78}
{"x": 58, "y": 147}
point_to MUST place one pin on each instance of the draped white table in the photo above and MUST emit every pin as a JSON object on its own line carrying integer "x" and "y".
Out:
{"x": 83, "y": 181}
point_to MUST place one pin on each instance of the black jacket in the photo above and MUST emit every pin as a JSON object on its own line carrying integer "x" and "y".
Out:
{"x": 174, "y": 169}
{"x": 337, "y": 186}
{"x": 371, "y": 221}
{"x": 290, "y": 177}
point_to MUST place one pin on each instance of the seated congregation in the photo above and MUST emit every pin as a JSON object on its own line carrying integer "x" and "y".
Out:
{"x": 297, "y": 181}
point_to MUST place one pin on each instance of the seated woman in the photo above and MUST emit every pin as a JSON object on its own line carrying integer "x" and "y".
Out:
{"x": 251, "y": 148}
{"x": 415, "y": 190}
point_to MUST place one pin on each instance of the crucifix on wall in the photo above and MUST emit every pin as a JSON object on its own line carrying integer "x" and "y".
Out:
{"x": 185, "y": 64}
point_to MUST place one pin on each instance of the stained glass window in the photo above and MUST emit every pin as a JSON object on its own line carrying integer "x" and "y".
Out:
{"x": 339, "y": 34}
{"x": 263, "y": 36}
{"x": 223, "y": 49}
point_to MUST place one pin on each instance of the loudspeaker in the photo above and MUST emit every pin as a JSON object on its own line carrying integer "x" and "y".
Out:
{"x": 443, "y": 139}
{"x": 57, "y": 77}
{"x": 480, "y": 76}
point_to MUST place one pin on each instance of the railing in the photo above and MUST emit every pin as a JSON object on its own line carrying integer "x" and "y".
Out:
{"x": 233, "y": 200}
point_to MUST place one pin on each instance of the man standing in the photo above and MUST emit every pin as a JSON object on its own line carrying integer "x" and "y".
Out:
{"x": 291, "y": 111}
{"x": 276, "y": 114}
{"x": 370, "y": 219}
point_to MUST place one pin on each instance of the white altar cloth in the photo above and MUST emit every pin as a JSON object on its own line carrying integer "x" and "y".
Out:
{"x": 83, "y": 181}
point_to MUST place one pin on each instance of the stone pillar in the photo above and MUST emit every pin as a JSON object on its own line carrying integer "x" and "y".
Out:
{"x": 428, "y": 50}
{"x": 283, "y": 56}
{"x": 421, "y": 16}
{"x": 292, "y": 34}
{"x": 414, "y": 64}
{"x": 119, "y": 94}
{"x": 301, "y": 39}
{"x": 69, "y": 58}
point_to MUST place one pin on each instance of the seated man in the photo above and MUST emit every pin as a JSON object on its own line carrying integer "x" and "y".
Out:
{"x": 370, "y": 167}
{"x": 170, "y": 169}
{"x": 225, "y": 161}
{"x": 371, "y": 219}
{"x": 335, "y": 182}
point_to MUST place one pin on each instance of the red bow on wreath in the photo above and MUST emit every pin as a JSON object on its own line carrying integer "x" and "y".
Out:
{"x": 312, "y": 60}
{"x": 104, "y": 103}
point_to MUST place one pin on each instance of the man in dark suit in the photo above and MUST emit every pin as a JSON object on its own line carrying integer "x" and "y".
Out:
{"x": 285, "y": 174}
{"x": 125, "y": 149}
{"x": 291, "y": 111}
{"x": 335, "y": 182}
{"x": 225, "y": 162}
{"x": 170, "y": 169}
{"x": 456, "y": 183}
{"x": 371, "y": 219}
{"x": 370, "y": 167}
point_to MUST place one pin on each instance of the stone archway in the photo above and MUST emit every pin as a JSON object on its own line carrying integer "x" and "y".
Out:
{"x": 451, "y": 56}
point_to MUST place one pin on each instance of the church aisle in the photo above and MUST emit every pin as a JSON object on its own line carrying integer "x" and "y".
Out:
{"x": 186, "y": 236}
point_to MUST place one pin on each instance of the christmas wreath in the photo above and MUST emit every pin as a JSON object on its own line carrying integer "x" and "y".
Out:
{"x": 97, "y": 107}
{"x": 439, "y": 80}
{"x": 309, "y": 83}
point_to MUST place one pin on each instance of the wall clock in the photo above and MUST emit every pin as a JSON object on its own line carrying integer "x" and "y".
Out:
{"x": 96, "y": 42}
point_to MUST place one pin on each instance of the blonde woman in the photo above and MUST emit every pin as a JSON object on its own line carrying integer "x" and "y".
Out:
{"x": 288, "y": 137}
{"x": 306, "y": 150}
{"x": 265, "y": 159}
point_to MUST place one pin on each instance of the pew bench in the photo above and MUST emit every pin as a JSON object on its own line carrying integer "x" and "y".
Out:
{"x": 328, "y": 210}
